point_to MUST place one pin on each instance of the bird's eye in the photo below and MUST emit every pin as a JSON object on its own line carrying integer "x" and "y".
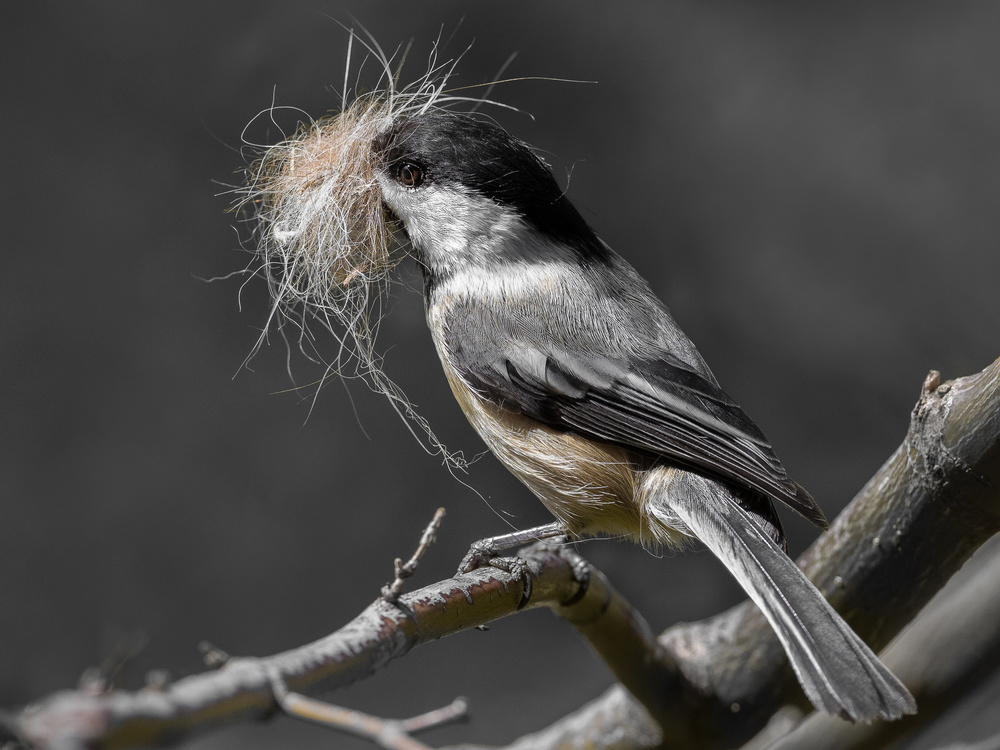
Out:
{"x": 410, "y": 175}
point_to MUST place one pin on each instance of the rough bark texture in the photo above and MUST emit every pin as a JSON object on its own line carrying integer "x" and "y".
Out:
{"x": 242, "y": 689}
{"x": 709, "y": 684}
{"x": 916, "y": 522}
{"x": 942, "y": 657}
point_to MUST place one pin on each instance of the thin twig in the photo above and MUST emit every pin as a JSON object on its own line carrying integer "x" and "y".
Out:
{"x": 917, "y": 521}
{"x": 457, "y": 710}
{"x": 213, "y": 656}
{"x": 391, "y": 592}
{"x": 391, "y": 734}
{"x": 243, "y": 690}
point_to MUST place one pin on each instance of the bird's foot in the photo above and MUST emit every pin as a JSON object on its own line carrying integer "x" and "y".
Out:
{"x": 581, "y": 569}
{"x": 480, "y": 557}
{"x": 562, "y": 546}
{"x": 486, "y": 553}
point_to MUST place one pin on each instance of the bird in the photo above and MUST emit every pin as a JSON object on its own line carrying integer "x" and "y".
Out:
{"x": 579, "y": 380}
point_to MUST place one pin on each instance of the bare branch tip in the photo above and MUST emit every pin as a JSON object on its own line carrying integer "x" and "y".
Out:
{"x": 457, "y": 710}
{"x": 213, "y": 656}
{"x": 391, "y": 592}
{"x": 387, "y": 733}
{"x": 931, "y": 382}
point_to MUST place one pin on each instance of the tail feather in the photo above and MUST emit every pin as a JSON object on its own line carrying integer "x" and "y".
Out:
{"x": 838, "y": 672}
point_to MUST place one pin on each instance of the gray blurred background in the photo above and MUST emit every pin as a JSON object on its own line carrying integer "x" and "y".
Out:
{"x": 812, "y": 188}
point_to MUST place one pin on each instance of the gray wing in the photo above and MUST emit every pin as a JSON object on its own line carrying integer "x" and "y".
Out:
{"x": 659, "y": 406}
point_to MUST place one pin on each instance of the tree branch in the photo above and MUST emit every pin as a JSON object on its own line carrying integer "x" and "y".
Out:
{"x": 242, "y": 689}
{"x": 916, "y": 522}
{"x": 391, "y": 591}
{"x": 942, "y": 657}
{"x": 712, "y": 683}
{"x": 391, "y": 734}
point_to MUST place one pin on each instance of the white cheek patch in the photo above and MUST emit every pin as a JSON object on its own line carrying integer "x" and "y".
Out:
{"x": 324, "y": 238}
{"x": 450, "y": 226}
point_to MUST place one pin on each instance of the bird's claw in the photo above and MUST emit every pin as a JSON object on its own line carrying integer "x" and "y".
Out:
{"x": 481, "y": 554}
{"x": 581, "y": 568}
{"x": 485, "y": 554}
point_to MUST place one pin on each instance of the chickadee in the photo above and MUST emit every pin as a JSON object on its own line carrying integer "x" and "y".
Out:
{"x": 582, "y": 384}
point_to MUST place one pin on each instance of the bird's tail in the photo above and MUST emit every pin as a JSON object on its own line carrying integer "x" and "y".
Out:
{"x": 838, "y": 672}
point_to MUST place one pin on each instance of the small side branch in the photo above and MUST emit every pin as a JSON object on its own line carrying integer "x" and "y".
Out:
{"x": 242, "y": 689}
{"x": 390, "y": 734}
{"x": 391, "y": 592}
{"x": 714, "y": 683}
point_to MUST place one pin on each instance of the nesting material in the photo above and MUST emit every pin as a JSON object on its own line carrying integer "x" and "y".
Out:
{"x": 325, "y": 242}
{"x": 324, "y": 231}
{"x": 325, "y": 239}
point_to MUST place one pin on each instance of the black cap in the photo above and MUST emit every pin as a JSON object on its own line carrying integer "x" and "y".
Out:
{"x": 452, "y": 149}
